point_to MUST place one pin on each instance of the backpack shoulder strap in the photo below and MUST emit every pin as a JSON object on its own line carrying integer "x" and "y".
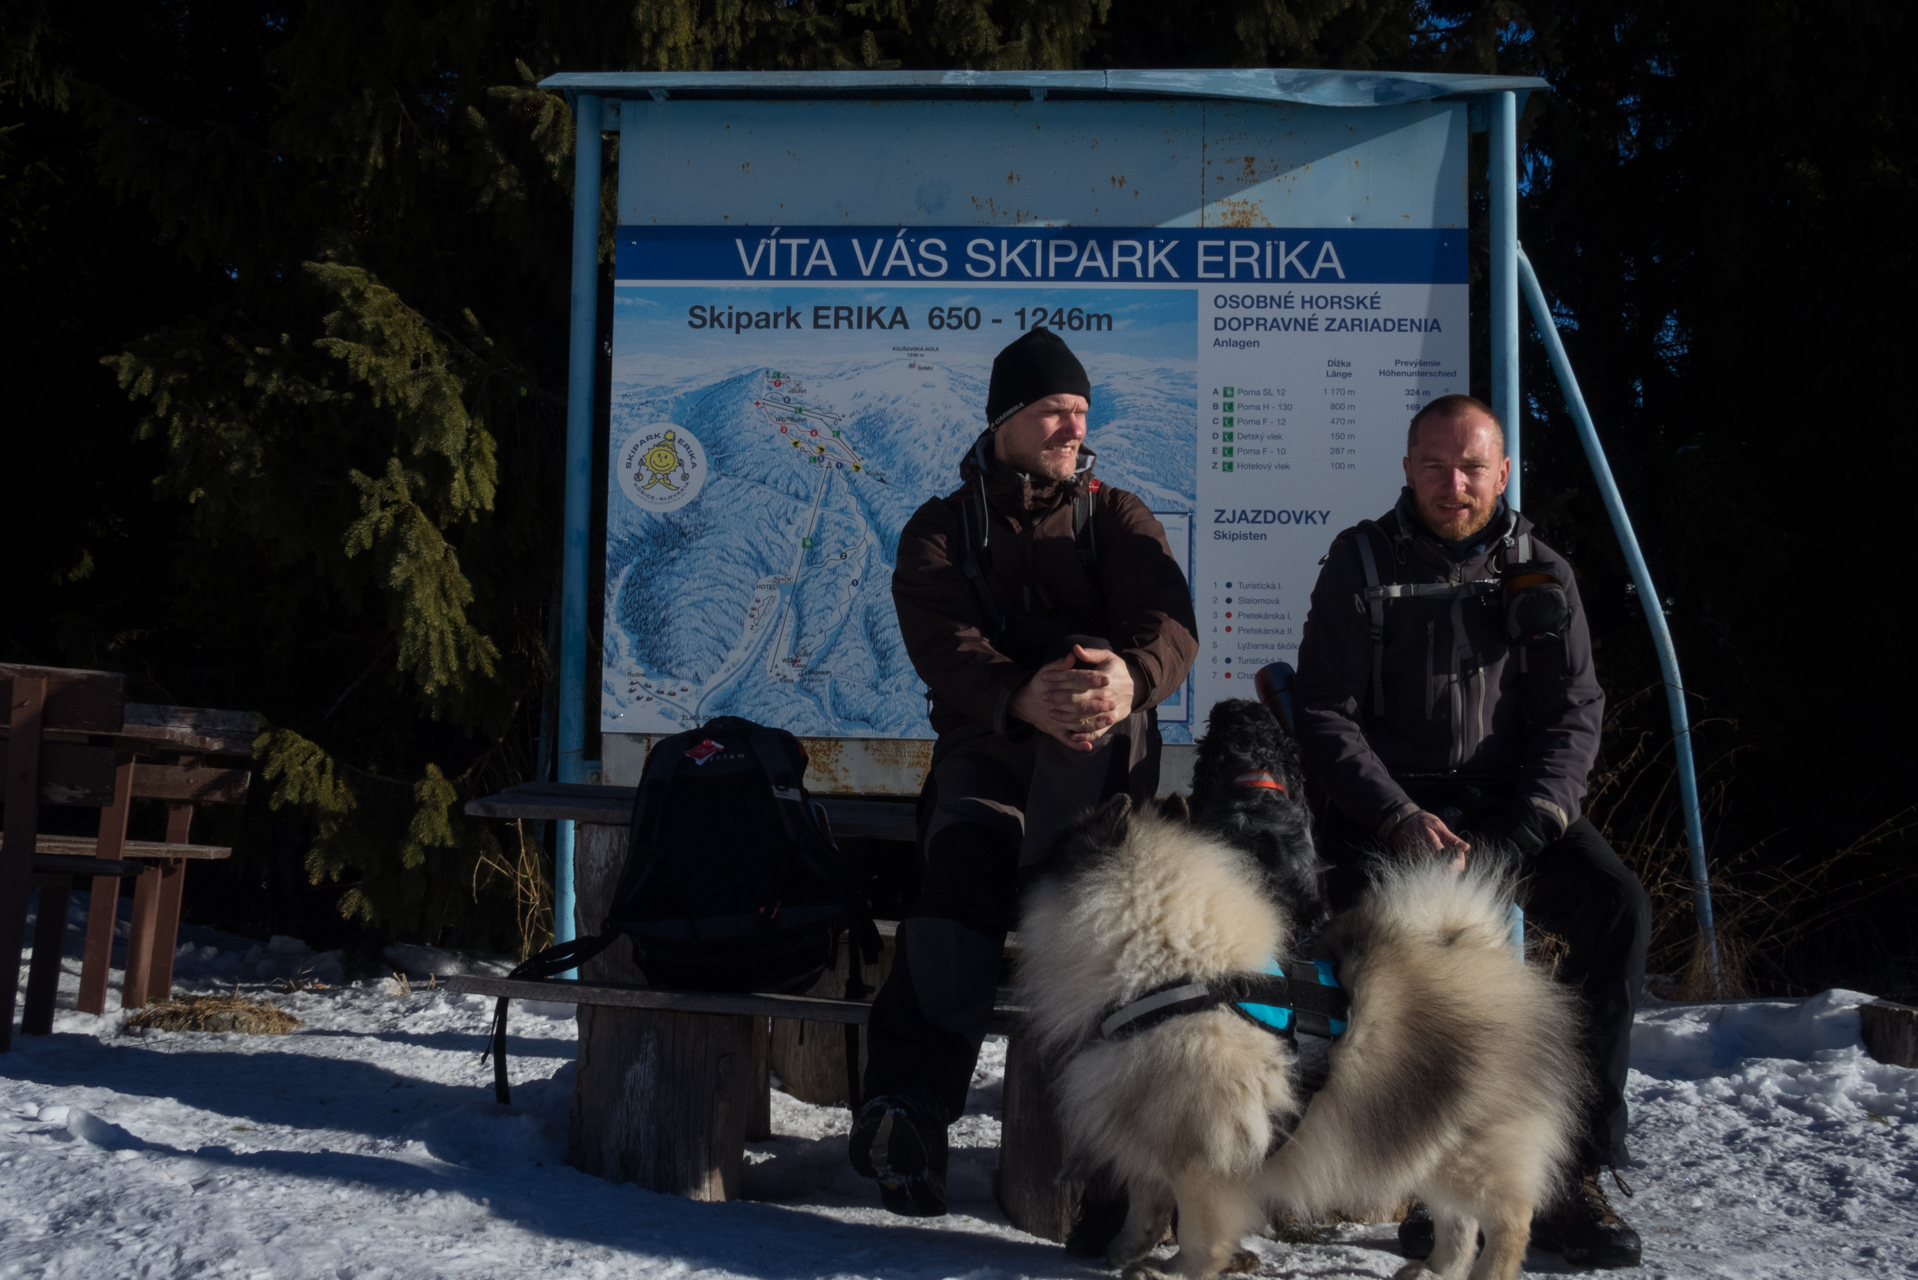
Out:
{"x": 970, "y": 565}
{"x": 784, "y": 781}
{"x": 796, "y": 816}
{"x": 553, "y": 960}
{"x": 1084, "y": 506}
{"x": 649, "y": 810}
{"x": 1375, "y": 611}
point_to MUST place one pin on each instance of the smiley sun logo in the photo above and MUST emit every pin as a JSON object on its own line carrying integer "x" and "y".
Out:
{"x": 661, "y": 467}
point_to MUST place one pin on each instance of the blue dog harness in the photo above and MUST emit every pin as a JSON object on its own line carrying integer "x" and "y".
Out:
{"x": 1300, "y": 995}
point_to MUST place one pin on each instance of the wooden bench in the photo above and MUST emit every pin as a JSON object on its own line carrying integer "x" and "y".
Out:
{"x": 72, "y": 740}
{"x": 209, "y": 762}
{"x": 670, "y": 1085}
{"x": 613, "y": 807}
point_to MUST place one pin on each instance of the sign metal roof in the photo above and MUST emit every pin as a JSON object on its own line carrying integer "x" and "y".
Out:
{"x": 1268, "y": 84}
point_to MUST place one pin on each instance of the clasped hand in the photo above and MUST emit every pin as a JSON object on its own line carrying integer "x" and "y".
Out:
{"x": 1074, "y": 703}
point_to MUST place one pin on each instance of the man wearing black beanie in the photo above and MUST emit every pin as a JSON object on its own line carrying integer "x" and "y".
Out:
{"x": 1048, "y": 618}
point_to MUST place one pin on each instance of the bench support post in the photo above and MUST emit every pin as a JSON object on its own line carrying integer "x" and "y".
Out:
{"x": 49, "y": 938}
{"x": 166, "y": 937}
{"x": 759, "y": 1127}
{"x": 1032, "y": 1150}
{"x": 166, "y": 929}
{"x": 103, "y": 904}
{"x": 146, "y": 918}
{"x": 664, "y": 1099}
{"x": 28, "y": 708}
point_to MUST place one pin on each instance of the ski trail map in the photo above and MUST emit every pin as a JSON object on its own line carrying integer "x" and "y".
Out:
{"x": 784, "y": 400}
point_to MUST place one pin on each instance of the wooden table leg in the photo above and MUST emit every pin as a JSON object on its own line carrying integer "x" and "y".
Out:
{"x": 49, "y": 940}
{"x": 166, "y": 930}
{"x": 23, "y": 834}
{"x": 663, "y": 1099}
{"x": 1032, "y": 1150}
{"x": 103, "y": 904}
{"x": 179, "y": 830}
{"x": 146, "y": 919}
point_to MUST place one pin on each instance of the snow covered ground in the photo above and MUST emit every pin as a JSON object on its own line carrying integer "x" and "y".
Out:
{"x": 368, "y": 1146}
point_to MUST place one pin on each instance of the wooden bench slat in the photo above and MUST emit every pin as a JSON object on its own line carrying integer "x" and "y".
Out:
{"x": 613, "y": 806}
{"x": 76, "y": 774}
{"x": 226, "y": 733}
{"x": 1005, "y": 1016}
{"x": 64, "y": 864}
{"x": 871, "y": 819}
{"x": 150, "y": 729}
{"x": 83, "y": 846}
{"x": 79, "y": 701}
{"x": 549, "y": 801}
{"x": 201, "y": 784}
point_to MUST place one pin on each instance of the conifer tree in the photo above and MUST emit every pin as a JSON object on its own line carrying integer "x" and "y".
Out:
{"x": 286, "y": 329}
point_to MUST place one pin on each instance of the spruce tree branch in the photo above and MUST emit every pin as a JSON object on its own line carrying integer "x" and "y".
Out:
{"x": 358, "y": 681}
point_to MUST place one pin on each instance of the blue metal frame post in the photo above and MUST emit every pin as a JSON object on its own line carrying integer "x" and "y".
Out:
{"x": 1654, "y": 614}
{"x": 1504, "y": 233}
{"x": 579, "y": 483}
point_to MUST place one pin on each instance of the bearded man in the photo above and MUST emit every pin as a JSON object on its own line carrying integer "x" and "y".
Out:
{"x": 1446, "y": 701}
{"x": 1048, "y": 618}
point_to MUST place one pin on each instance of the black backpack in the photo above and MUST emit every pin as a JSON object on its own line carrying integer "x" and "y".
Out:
{"x": 732, "y": 881}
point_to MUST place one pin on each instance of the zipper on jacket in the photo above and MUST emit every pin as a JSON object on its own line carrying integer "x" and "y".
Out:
{"x": 1458, "y": 675}
{"x": 1431, "y": 672}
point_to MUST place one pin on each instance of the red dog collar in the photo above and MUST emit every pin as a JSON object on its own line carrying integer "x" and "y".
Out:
{"x": 1261, "y": 778}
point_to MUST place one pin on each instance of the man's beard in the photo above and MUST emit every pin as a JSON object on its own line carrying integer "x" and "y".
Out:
{"x": 1453, "y": 526}
{"x": 1048, "y": 465}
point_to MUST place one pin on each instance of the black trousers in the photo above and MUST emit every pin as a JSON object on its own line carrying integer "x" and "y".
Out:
{"x": 991, "y": 806}
{"x": 1577, "y": 888}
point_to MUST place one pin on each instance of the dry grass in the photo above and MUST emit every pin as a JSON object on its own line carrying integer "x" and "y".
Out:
{"x": 215, "y": 1013}
{"x": 1291, "y": 1230}
{"x": 1760, "y": 903}
{"x": 524, "y": 871}
{"x": 1544, "y": 951}
{"x": 302, "y": 980}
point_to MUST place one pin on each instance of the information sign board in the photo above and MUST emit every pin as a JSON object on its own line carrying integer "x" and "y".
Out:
{"x": 784, "y": 398}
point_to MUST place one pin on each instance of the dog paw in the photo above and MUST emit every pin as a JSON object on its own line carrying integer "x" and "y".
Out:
{"x": 1415, "y": 1271}
{"x": 1242, "y": 1263}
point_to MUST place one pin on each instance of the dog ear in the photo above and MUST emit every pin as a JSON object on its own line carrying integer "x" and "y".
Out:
{"x": 1174, "y": 808}
{"x": 1111, "y": 820}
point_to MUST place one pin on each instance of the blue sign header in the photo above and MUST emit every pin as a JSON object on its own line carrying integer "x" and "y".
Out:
{"x": 1078, "y": 255}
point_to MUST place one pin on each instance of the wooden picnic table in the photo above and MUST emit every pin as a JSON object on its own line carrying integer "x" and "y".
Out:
{"x": 670, "y": 1085}
{"x": 70, "y": 738}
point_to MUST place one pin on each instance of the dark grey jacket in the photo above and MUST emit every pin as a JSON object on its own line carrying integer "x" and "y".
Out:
{"x": 1457, "y": 706}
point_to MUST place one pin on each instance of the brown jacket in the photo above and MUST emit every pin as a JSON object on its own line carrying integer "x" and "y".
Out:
{"x": 1134, "y": 596}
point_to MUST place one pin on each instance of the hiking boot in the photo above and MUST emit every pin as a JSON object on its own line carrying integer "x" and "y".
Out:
{"x": 1585, "y": 1228}
{"x": 1417, "y": 1236}
{"x": 899, "y": 1141}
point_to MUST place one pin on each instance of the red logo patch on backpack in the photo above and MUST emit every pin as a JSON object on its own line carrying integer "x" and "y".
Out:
{"x": 703, "y": 751}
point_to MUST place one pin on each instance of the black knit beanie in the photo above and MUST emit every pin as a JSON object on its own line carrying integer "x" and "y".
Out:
{"x": 1036, "y": 365}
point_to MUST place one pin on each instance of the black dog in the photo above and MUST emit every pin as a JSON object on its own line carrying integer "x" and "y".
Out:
{"x": 1248, "y": 789}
